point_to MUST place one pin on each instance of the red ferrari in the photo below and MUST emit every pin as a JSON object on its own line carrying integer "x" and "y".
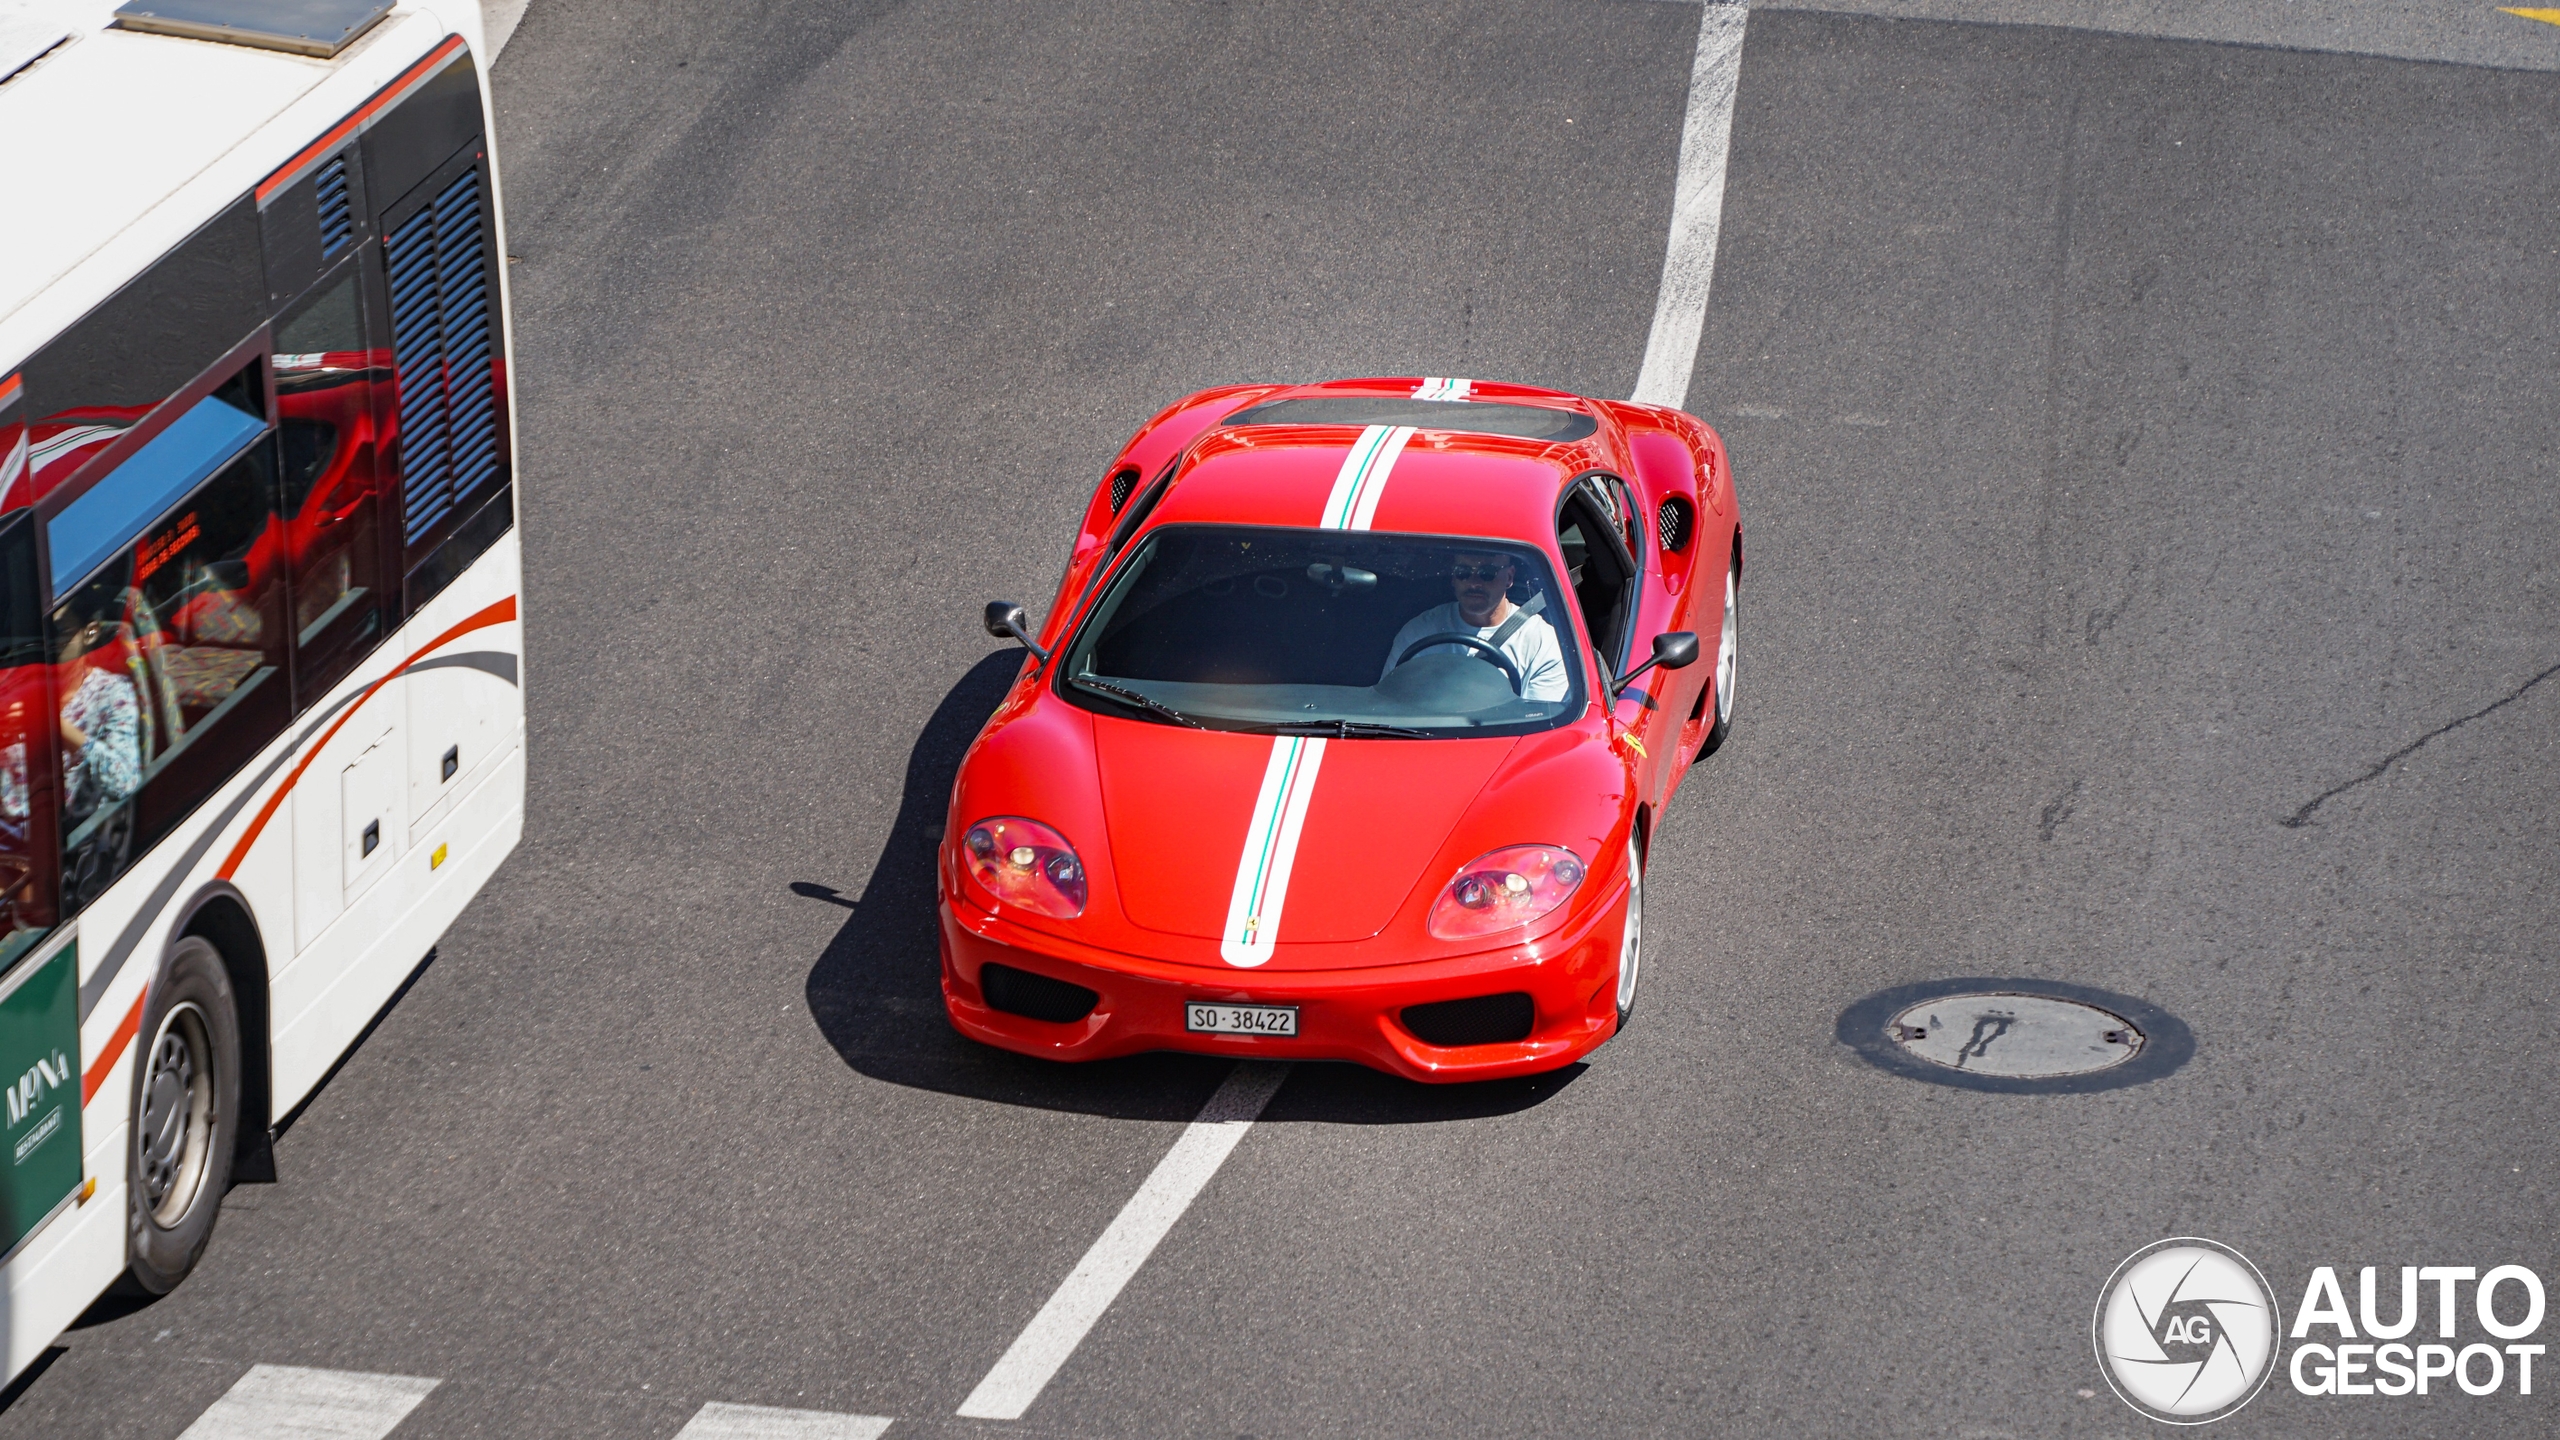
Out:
{"x": 1346, "y": 732}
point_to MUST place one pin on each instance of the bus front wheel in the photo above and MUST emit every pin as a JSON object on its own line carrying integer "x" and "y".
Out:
{"x": 186, "y": 1116}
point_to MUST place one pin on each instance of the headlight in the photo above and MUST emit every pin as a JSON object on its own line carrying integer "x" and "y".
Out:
{"x": 1505, "y": 890}
{"x": 1025, "y": 864}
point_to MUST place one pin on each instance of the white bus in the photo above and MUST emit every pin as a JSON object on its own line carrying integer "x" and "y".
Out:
{"x": 261, "y": 705}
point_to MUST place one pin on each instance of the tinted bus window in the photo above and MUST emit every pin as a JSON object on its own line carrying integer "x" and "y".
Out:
{"x": 27, "y": 844}
{"x": 330, "y": 396}
{"x": 143, "y": 345}
{"x": 170, "y": 664}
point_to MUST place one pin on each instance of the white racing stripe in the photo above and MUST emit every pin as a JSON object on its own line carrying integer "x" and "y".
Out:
{"x": 717, "y": 1421}
{"x": 1054, "y": 1333}
{"x": 1697, "y": 210}
{"x": 284, "y": 1402}
{"x": 1363, "y": 477}
{"x": 1436, "y": 387}
{"x": 1270, "y": 850}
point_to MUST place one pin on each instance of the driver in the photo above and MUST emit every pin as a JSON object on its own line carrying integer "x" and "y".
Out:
{"x": 1481, "y": 579}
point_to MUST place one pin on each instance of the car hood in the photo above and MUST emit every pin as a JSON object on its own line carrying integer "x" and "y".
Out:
{"x": 1181, "y": 808}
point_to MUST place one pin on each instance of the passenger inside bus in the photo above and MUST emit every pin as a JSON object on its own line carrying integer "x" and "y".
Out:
{"x": 101, "y": 720}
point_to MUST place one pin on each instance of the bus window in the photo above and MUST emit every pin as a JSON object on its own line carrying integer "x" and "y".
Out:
{"x": 328, "y": 399}
{"x": 27, "y": 845}
{"x": 143, "y": 345}
{"x": 14, "y": 491}
{"x": 170, "y": 664}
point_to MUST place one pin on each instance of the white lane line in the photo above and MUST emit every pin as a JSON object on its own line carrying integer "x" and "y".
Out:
{"x": 717, "y": 1421}
{"x": 1178, "y": 1178}
{"x": 1697, "y": 209}
{"x": 283, "y": 1402}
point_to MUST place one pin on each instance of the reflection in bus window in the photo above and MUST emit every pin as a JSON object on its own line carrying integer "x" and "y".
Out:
{"x": 169, "y": 663}
{"x": 27, "y": 845}
{"x": 327, "y": 390}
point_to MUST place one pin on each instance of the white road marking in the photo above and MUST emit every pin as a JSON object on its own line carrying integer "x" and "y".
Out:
{"x": 1178, "y": 1178}
{"x": 717, "y": 1421}
{"x": 1697, "y": 210}
{"x": 284, "y": 1402}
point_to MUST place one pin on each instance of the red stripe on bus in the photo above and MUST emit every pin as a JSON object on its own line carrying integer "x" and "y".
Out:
{"x": 107, "y": 1058}
{"x": 9, "y": 390}
{"x": 389, "y": 96}
{"x": 498, "y": 614}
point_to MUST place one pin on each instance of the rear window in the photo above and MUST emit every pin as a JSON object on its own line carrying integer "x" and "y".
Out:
{"x": 1528, "y": 422}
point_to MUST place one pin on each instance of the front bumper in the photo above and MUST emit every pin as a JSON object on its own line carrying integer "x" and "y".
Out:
{"x": 1570, "y": 977}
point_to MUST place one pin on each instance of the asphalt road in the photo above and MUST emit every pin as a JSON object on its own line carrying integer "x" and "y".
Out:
{"x": 2141, "y": 442}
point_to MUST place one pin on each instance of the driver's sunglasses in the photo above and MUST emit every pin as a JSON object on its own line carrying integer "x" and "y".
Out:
{"x": 1477, "y": 572}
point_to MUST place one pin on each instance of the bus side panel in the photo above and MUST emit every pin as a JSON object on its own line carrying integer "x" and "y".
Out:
{"x": 68, "y": 1263}
{"x": 391, "y": 918}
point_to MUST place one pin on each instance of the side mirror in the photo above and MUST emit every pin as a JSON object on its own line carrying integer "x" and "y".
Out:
{"x": 1672, "y": 650}
{"x": 1006, "y": 620}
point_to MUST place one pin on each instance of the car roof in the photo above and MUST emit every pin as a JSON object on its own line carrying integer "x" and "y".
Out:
{"x": 1445, "y": 481}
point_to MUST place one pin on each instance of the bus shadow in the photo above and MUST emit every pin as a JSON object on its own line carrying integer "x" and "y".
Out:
{"x": 876, "y": 990}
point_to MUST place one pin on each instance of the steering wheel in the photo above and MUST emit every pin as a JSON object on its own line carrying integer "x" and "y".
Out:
{"x": 1491, "y": 654}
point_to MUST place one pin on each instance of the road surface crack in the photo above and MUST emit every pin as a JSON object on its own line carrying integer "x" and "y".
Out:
{"x": 2302, "y": 817}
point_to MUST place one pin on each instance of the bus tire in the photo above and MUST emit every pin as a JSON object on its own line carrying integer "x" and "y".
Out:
{"x": 186, "y": 1116}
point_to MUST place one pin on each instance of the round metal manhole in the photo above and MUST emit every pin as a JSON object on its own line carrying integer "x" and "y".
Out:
{"x": 2017, "y": 1036}
{"x": 2035, "y": 1036}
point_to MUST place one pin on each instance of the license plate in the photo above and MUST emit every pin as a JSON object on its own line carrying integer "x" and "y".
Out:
{"x": 1201, "y": 1018}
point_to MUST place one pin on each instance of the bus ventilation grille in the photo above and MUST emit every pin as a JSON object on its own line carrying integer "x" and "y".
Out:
{"x": 337, "y": 223}
{"x": 440, "y": 341}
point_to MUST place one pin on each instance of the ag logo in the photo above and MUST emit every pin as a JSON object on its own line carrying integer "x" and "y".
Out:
{"x": 2186, "y": 1331}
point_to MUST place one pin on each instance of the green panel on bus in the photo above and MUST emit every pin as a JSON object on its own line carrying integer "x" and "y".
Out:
{"x": 40, "y": 1061}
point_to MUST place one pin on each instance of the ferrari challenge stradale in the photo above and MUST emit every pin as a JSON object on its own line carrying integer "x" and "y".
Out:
{"x": 1345, "y": 735}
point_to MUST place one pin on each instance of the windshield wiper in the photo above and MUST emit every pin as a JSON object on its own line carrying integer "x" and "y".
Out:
{"x": 1343, "y": 730}
{"x": 1148, "y": 703}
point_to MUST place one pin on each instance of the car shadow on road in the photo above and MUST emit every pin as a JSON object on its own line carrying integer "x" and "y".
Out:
{"x": 876, "y": 990}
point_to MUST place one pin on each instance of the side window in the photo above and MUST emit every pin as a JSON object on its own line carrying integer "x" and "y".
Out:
{"x": 170, "y": 643}
{"x": 28, "y": 847}
{"x": 329, "y": 387}
{"x": 1599, "y": 570}
{"x": 101, "y": 377}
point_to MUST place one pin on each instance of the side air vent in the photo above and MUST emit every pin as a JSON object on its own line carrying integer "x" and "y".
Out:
{"x": 1674, "y": 523}
{"x": 1035, "y": 997}
{"x": 1121, "y": 484}
{"x": 337, "y": 223}
{"x": 440, "y": 342}
{"x": 1481, "y": 1020}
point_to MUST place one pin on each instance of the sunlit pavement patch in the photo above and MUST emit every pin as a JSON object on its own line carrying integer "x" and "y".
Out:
{"x": 2037, "y": 1037}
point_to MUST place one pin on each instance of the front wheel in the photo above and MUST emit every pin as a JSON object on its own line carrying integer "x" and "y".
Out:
{"x": 1631, "y": 935}
{"x": 1728, "y": 653}
{"x": 186, "y": 1116}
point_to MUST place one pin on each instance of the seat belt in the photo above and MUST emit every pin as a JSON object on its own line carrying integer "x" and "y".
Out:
{"x": 1519, "y": 617}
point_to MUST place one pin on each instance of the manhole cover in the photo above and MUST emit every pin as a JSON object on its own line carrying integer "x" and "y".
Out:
{"x": 2025, "y": 1036}
{"x": 2015, "y": 1036}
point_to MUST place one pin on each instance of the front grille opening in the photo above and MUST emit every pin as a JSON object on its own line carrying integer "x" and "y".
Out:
{"x": 1479, "y": 1020}
{"x": 1121, "y": 484}
{"x": 1673, "y": 522}
{"x": 1037, "y": 997}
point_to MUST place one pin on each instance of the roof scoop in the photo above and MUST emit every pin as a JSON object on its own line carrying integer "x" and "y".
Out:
{"x": 319, "y": 28}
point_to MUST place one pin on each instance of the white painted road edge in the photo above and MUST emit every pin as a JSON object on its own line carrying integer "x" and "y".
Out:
{"x": 1697, "y": 210}
{"x": 718, "y": 1421}
{"x": 1054, "y": 1333}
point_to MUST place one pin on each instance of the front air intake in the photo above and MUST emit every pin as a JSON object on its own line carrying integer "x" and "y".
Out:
{"x": 1480, "y": 1020}
{"x": 1036, "y": 997}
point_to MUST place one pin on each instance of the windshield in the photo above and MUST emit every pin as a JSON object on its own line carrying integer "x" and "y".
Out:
{"x": 1330, "y": 632}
